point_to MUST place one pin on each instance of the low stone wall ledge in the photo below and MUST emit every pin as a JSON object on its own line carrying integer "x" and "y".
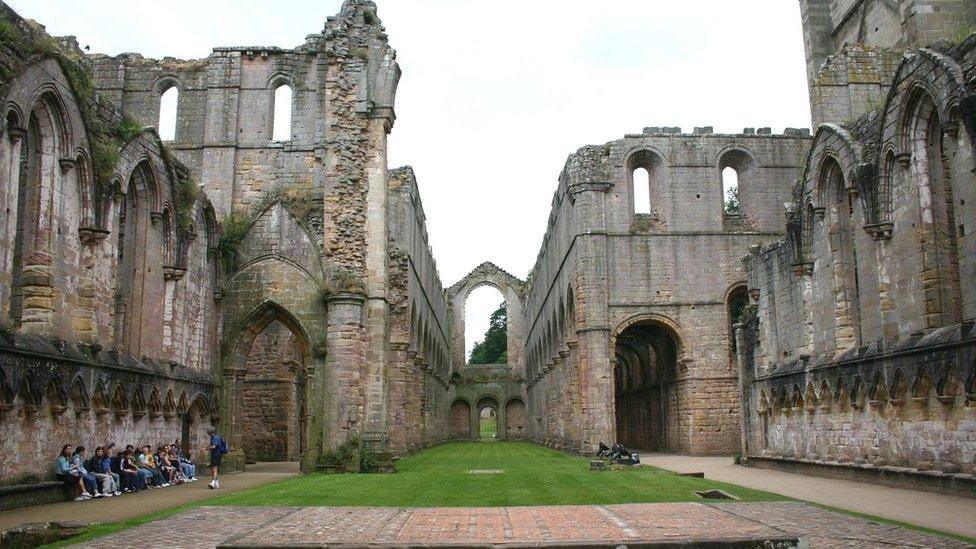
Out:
{"x": 897, "y": 477}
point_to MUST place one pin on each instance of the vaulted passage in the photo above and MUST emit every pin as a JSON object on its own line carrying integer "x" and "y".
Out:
{"x": 645, "y": 404}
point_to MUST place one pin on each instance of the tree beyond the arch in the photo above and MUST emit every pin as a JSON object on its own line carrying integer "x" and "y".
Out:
{"x": 494, "y": 348}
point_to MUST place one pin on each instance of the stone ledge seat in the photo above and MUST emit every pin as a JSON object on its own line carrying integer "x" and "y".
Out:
{"x": 38, "y": 493}
{"x": 958, "y": 484}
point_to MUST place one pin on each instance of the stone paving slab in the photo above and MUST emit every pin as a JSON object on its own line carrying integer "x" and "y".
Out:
{"x": 649, "y": 525}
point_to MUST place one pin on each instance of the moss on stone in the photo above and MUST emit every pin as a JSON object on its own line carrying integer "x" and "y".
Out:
{"x": 233, "y": 228}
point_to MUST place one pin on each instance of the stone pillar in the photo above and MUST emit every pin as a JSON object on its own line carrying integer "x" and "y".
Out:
{"x": 37, "y": 278}
{"x": 232, "y": 418}
{"x": 412, "y": 401}
{"x": 501, "y": 422}
{"x": 10, "y": 171}
{"x": 375, "y": 432}
{"x": 881, "y": 233}
{"x": 398, "y": 424}
{"x": 596, "y": 373}
{"x": 344, "y": 365}
{"x": 314, "y": 386}
{"x": 475, "y": 431}
{"x": 804, "y": 274}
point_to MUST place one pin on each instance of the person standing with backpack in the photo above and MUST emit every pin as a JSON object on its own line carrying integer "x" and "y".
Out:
{"x": 217, "y": 450}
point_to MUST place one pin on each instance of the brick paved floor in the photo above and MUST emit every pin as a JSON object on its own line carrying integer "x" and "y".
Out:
{"x": 208, "y": 527}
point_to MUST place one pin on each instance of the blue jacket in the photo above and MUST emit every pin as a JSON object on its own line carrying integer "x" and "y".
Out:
{"x": 62, "y": 467}
{"x": 218, "y": 445}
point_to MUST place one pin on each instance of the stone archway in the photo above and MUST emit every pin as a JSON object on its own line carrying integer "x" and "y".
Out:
{"x": 265, "y": 386}
{"x": 461, "y": 419}
{"x": 646, "y": 407}
{"x": 515, "y": 419}
{"x": 488, "y": 274}
{"x": 486, "y": 413}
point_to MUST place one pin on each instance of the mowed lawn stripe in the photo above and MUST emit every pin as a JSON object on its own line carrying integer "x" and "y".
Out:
{"x": 530, "y": 475}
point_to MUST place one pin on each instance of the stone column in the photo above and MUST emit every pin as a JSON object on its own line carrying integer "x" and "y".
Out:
{"x": 314, "y": 386}
{"x": 37, "y": 278}
{"x": 10, "y": 169}
{"x": 501, "y": 423}
{"x": 881, "y": 233}
{"x": 412, "y": 402}
{"x": 375, "y": 432}
{"x": 232, "y": 418}
{"x": 397, "y": 390}
{"x": 475, "y": 433}
{"x": 344, "y": 364}
{"x": 596, "y": 373}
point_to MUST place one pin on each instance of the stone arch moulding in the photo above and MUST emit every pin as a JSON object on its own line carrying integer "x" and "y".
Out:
{"x": 232, "y": 415}
{"x": 45, "y": 77}
{"x": 256, "y": 321}
{"x": 652, "y": 318}
{"x": 512, "y": 290}
{"x": 924, "y": 72}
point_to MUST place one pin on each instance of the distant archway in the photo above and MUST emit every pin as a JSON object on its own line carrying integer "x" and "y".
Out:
{"x": 515, "y": 418}
{"x": 645, "y": 405}
{"x": 461, "y": 419}
{"x": 488, "y": 420}
{"x": 488, "y": 274}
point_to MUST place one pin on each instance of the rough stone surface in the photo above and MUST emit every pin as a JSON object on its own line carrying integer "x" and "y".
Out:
{"x": 858, "y": 348}
{"x": 296, "y": 302}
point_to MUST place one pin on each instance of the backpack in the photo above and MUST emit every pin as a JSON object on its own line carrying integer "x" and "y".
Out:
{"x": 223, "y": 446}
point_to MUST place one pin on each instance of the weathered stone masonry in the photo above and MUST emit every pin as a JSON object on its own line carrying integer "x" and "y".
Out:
{"x": 291, "y": 318}
{"x": 860, "y": 350}
{"x": 296, "y": 302}
{"x": 627, "y": 315}
{"x": 107, "y": 283}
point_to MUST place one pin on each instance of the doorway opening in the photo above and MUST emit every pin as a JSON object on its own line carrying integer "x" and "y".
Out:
{"x": 645, "y": 403}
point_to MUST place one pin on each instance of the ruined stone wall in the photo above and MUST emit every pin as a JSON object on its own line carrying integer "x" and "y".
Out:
{"x": 861, "y": 350}
{"x": 420, "y": 366}
{"x": 854, "y": 46}
{"x": 101, "y": 312}
{"x": 270, "y": 399}
{"x": 604, "y": 269}
{"x": 513, "y": 292}
{"x": 304, "y": 238}
{"x": 829, "y": 25}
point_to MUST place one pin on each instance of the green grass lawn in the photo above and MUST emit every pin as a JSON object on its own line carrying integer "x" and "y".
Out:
{"x": 440, "y": 476}
{"x": 530, "y": 475}
{"x": 488, "y": 427}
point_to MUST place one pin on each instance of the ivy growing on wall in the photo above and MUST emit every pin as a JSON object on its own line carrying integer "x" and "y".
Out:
{"x": 234, "y": 226}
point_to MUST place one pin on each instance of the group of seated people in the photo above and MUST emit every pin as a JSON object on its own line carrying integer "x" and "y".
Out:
{"x": 104, "y": 474}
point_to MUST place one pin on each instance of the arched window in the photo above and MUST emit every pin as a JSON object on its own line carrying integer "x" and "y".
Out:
{"x": 930, "y": 150}
{"x": 735, "y": 305}
{"x": 734, "y": 167}
{"x": 843, "y": 248}
{"x": 281, "y": 130}
{"x": 131, "y": 244}
{"x": 37, "y": 181}
{"x": 486, "y": 326}
{"x": 642, "y": 191}
{"x": 167, "y": 113}
{"x": 730, "y": 190}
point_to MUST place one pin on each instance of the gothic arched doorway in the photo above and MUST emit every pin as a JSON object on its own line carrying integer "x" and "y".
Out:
{"x": 272, "y": 357}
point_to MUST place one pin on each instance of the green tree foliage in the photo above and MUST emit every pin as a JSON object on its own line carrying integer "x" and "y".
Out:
{"x": 494, "y": 348}
{"x": 732, "y": 200}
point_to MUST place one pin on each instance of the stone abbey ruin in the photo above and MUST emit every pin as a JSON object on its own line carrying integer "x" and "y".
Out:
{"x": 284, "y": 289}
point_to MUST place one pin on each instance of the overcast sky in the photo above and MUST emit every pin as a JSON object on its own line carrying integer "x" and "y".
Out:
{"x": 496, "y": 93}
